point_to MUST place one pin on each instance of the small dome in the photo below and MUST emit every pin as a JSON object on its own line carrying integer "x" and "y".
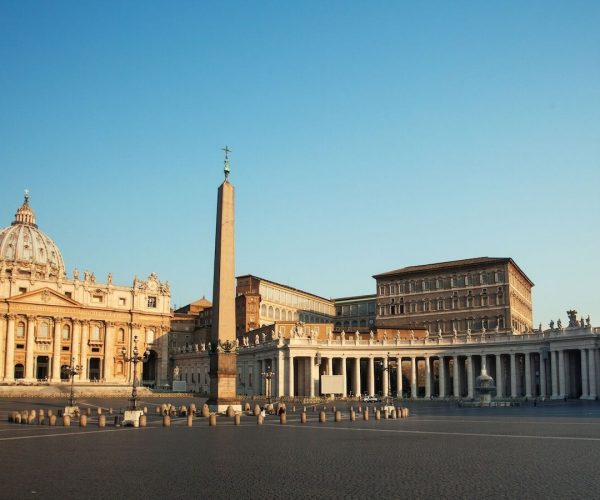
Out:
{"x": 24, "y": 247}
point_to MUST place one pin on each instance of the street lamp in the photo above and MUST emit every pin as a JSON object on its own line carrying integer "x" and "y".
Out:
{"x": 388, "y": 368}
{"x": 135, "y": 358}
{"x": 268, "y": 375}
{"x": 71, "y": 371}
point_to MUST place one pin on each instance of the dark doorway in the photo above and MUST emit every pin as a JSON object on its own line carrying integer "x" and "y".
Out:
{"x": 149, "y": 371}
{"x": 41, "y": 371}
{"x": 95, "y": 369}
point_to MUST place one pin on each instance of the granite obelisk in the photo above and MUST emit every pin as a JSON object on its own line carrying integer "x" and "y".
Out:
{"x": 222, "y": 353}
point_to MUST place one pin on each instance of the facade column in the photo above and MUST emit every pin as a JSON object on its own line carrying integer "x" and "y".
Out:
{"x": 385, "y": 374}
{"x": 585, "y": 388}
{"x": 291, "y": 375}
{"x": 455, "y": 378}
{"x": 499, "y": 379}
{"x": 413, "y": 377}
{"x": 329, "y": 365}
{"x": 280, "y": 373}
{"x": 311, "y": 371}
{"x": 470, "y": 377}
{"x": 109, "y": 351}
{"x": 554, "y": 373}
{"x": 513, "y": 375}
{"x": 75, "y": 341}
{"x": 400, "y": 390}
{"x": 592, "y": 373}
{"x": 85, "y": 336}
{"x": 56, "y": 350}
{"x": 562, "y": 382}
{"x": 371, "y": 376}
{"x": 442, "y": 376}
{"x": 345, "y": 378}
{"x": 30, "y": 347}
{"x": 427, "y": 377}
{"x": 356, "y": 387}
{"x": 543, "y": 390}
{"x": 9, "y": 367}
{"x": 528, "y": 393}
{"x": 2, "y": 344}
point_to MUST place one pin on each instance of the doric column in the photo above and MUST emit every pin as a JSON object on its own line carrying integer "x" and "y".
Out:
{"x": 554, "y": 373}
{"x": 56, "y": 350}
{"x": 291, "y": 375}
{"x": 76, "y": 340}
{"x": 562, "y": 381}
{"x": 329, "y": 365}
{"x": 260, "y": 386}
{"x": 399, "y": 378}
{"x": 280, "y": 373}
{"x": 30, "y": 348}
{"x": 513, "y": 375}
{"x": 345, "y": 378}
{"x": 312, "y": 377}
{"x": 413, "y": 377}
{"x": 442, "y": 376}
{"x": 385, "y": 377}
{"x": 9, "y": 367}
{"x": 371, "y": 376}
{"x": 543, "y": 389}
{"x": 109, "y": 351}
{"x": 585, "y": 390}
{"x": 592, "y": 373}
{"x": 499, "y": 379}
{"x": 85, "y": 336}
{"x": 427, "y": 377}
{"x": 470, "y": 377}
{"x": 356, "y": 387}
{"x": 455, "y": 378}
{"x": 2, "y": 344}
{"x": 528, "y": 393}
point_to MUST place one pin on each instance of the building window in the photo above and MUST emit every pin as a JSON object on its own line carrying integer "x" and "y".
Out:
{"x": 95, "y": 335}
{"x": 22, "y": 290}
{"x": 469, "y": 280}
{"x": 43, "y": 331}
{"x": 152, "y": 302}
{"x": 20, "y": 330}
{"x": 425, "y": 305}
{"x": 271, "y": 312}
{"x": 96, "y": 299}
{"x": 484, "y": 300}
{"x": 452, "y": 282}
{"x": 392, "y": 310}
{"x": 277, "y": 313}
{"x": 66, "y": 332}
{"x": 121, "y": 336}
{"x": 484, "y": 278}
{"x": 438, "y": 284}
{"x": 122, "y": 301}
{"x": 69, "y": 295}
{"x": 499, "y": 299}
{"x": 469, "y": 300}
{"x": 440, "y": 304}
{"x": 150, "y": 336}
{"x": 263, "y": 310}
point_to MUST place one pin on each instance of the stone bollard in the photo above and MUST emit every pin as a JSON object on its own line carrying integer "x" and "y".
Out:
{"x": 259, "y": 419}
{"x": 212, "y": 420}
{"x": 50, "y": 413}
{"x": 256, "y": 410}
{"x": 378, "y": 415}
{"x": 303, "y": 417}
{"x": 386, "y": 413}
{"x": 143, "y": 421}
{"x": 247, "y": 407}
{"x": 183, "y": 411}
{"x": 99, "y": 410}
{"x": 205, "y": 410}
{"x": 145, "y": 410}
{"x": 237, "y": 419}
{"x": 18, "y": 418}
{"x": 283, "y": 419}
{"x": 66, "y": 421}
{"x": 366, "y": 414}
{"x": 31, "y": 420}
{"x": 393, "y": 414}
{"x": 83, "y": 421}
{"x": 322, "y": 417}
{"x": 338, "y": 416}
{"x": 52, "y": 420}
{"x": 193, "y": 408}
{"x": 352, "y": 416}
{"x": 158, "y": 410}
{"x": 24, "y": 416}
{"x": 166, "y": 421}
{"x": 230, "y": 411}
{"x": 190, "y": 419}
{"x": 102, "y": 420}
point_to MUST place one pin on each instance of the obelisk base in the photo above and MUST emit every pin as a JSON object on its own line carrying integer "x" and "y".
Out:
{"x": 223, "y": 371}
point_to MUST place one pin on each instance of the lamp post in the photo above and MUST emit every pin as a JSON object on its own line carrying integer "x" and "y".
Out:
{"x": 388, "y": 369}
{"x": 135, "y": 358}
{"x": 71, "y": 371}
{"x": 268, "y": 375}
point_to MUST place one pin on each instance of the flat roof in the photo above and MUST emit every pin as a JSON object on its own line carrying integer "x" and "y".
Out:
{"x": 283, "y": 286}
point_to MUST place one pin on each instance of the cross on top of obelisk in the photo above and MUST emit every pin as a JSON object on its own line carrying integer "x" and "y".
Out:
{"x": 226, "y": 169}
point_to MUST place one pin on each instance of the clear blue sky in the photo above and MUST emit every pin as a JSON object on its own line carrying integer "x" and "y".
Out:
{"x": 366, "y": 136}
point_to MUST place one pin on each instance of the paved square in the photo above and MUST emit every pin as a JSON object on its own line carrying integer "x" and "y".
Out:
{"x": 549, "y": 451}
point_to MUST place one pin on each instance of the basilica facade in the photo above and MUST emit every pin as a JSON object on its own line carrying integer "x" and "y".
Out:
{"x": 49, "y": 321}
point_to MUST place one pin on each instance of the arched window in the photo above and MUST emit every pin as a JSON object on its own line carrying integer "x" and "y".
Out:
{"x": 43, "y": 332}
{"x": 121, "y": 336}
{"x": 263, "y": 310}
{"x": 500, "y": 322}
{"x": 295, "y": 315}
{"x": 95, "y": 335}
{"x": 354, "y": 322}
{"x": 289, "y": 315}
{"x": 19, "y": 371}
{"x": 271, "y": 313}
{"x": 66, "y": 332}
{"x": 277, "y": 313}
{"x": 20, "y": 330}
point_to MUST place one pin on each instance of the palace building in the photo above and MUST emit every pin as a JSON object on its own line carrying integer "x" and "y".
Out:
{"x": 49, "y": 321}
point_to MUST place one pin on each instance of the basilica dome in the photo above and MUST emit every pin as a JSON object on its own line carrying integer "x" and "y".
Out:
{"x": 25, "y": 250}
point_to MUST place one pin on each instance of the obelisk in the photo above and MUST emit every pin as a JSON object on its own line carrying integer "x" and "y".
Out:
{"x": 222, "y": 353}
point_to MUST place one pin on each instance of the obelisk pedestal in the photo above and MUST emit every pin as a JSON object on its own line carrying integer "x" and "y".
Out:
{"x": 222, "y": 355}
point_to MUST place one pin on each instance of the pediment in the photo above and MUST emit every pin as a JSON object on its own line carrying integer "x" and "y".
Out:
{"x": 44, "y": 296}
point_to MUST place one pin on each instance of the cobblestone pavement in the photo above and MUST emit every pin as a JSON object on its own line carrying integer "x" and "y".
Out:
{"x": 550, "y": 451}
